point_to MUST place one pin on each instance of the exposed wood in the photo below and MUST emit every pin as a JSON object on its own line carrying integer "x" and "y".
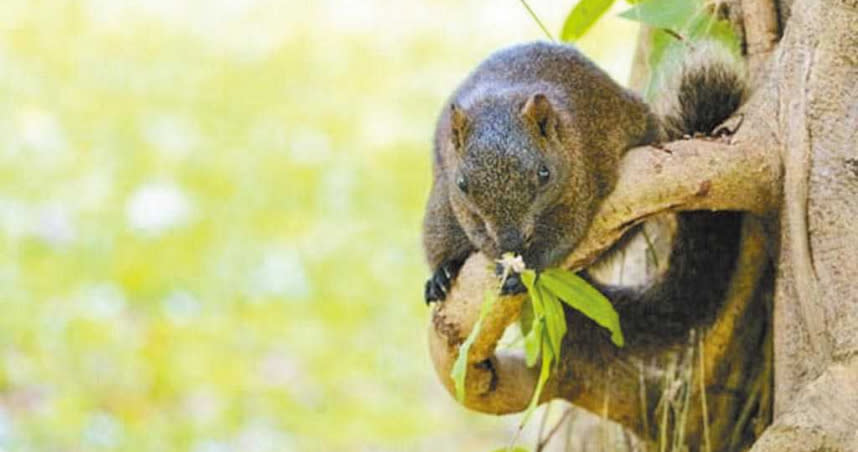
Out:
{"x": 683, "y": 175}
{"x": 761, "y": 32}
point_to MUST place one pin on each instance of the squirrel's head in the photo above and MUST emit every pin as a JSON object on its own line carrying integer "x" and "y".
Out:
{"x": 510, "y": 169}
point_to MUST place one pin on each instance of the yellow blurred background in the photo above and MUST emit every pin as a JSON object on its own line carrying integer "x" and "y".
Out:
{"x": 210, "y": 220}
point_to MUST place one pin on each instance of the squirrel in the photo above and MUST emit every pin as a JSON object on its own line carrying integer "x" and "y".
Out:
{"x": 529, "y": 144}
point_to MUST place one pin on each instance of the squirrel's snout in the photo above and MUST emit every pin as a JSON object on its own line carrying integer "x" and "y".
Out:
{"x": 510, "y": 240}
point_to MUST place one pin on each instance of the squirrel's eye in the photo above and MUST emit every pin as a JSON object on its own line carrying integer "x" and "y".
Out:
{"x": 543, "y": 174}
{"x": 462, "y": 183}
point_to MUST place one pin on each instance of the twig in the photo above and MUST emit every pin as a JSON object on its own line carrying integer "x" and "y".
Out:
{"x": 707, "y": 446}
{"x": 545, "y": 413}
{"x": 649, "y": 246}
{"x": 642, "y": 384}
{"x": 515, "y": 437}
{"x": 605, "y": 407}
{"x": 567, "y": 440}
{"x": 681, "y": 423}
{"x": 544, "y": 441}
{"x": 539, "y": 22}
{"x": 761, "y": 32}
{"x": 674, "y": 34}
{"x": 665, "y": 402}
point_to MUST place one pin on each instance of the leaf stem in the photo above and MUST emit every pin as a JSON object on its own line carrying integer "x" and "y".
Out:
{"x": 537, "y": 20}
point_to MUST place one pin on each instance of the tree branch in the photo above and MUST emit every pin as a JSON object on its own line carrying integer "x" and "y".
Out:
{"x": 681, "y": 176}
{"x": 761, "y": 32}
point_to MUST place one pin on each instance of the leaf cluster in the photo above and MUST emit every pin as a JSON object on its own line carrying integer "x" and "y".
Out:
{"x": 543, "y": 323}
{"x": 676, "y": 25}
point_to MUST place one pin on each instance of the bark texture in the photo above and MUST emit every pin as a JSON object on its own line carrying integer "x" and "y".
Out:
{"x": 812, "y": 101}
{"x": 793, "y": 166}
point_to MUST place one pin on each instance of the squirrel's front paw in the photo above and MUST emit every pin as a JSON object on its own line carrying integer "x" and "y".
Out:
{"x": 513, "y": 285}
{"x": 440, "y": 282}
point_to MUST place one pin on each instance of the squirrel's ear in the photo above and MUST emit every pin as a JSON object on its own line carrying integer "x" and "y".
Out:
{"x": 538, "y": 109}
{"x": 459, "y": 122}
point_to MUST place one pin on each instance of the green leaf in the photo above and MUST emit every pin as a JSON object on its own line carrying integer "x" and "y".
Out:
{"x": 667, "y": 52}
{"x": 528, "y": 278}
{"x": 548, "y": 326}
{"x": 555, "y": 320}
{"x": 580, "y": 295}
{"x": 533, "y": 339}
{"x": 532, "y": 317}
{"x": 460, "y": 366}
{"x": 669, "y": 14}
{"x": 582, "y": 17}
{"x": 533, "y": 342}
{"x": 707, "y": 26}
{"x": 544, "y": 372}
{"x": 525, "y": 317}
{"x": 546, "y": 335}
{"x": 511, "y": 449}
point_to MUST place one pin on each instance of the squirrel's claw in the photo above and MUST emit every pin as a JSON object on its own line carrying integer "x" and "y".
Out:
{"x": 436, "y": 287}
{"x": 440, "y": 282}
{"x": 432, "y": 293}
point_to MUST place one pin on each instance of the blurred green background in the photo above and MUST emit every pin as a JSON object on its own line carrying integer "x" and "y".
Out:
{"x": 210, "y": 220}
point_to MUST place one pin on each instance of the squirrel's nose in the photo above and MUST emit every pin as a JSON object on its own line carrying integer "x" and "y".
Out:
{"x": 510, "y": 240}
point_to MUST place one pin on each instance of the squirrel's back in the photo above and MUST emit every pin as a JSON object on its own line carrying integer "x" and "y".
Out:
{"x": 535, "y": 62}
{"x": 546, "y": 66}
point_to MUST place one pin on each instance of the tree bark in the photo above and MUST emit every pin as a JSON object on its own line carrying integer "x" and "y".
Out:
{"x": 813, "y": 99}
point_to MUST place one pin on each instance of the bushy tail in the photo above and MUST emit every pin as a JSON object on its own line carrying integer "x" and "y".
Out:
{"x": 706, "y": 88}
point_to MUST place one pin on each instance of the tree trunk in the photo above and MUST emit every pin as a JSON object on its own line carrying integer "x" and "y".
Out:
{"x": 811, "y": 103}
